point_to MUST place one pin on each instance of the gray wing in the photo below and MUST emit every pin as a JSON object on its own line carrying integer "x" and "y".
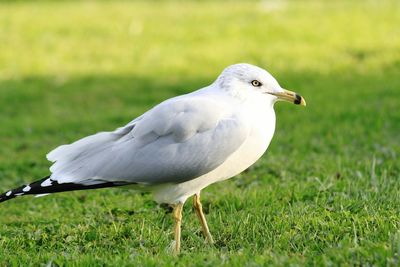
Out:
{"x": 176, "y": 141}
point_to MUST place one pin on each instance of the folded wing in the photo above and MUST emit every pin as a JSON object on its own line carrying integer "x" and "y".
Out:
{"x": 176, "y": 141}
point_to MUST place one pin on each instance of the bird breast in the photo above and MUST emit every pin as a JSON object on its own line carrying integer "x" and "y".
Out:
{"x": 262, "y": 130}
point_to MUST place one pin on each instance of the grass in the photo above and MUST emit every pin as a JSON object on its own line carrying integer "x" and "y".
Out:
{"x": 326, "y": 193}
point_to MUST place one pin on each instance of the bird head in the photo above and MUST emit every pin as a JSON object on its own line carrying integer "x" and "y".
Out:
{"x": 244, "y": 79}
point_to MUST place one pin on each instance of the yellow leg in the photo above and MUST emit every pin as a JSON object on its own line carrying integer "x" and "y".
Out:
{"x": 177, "y": 213}
{"x": 199, "y": 211}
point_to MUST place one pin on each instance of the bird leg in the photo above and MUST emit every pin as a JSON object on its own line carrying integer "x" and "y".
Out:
{"x": 177, "y": 213}
{"x": 199, "y": 211}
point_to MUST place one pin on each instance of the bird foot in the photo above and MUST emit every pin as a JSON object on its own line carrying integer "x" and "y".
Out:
{"x": 172, "y": 248}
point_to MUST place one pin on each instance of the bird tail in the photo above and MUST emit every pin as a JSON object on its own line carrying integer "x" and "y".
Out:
{"x": 49, "y": 186}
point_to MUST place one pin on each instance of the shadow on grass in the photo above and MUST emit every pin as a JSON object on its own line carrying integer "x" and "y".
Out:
{"x": 338, "y": 105}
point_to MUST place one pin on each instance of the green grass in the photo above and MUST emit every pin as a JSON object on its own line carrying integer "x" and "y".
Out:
{"x": 327, "y": 192}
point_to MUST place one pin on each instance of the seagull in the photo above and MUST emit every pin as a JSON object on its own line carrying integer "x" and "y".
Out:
{"x": 178, "y": 147}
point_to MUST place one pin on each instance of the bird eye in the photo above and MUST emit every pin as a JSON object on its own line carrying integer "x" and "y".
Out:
{"x": 256, "y": 83}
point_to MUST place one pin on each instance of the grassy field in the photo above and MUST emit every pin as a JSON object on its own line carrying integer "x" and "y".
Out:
{"x": 326, "y": 193}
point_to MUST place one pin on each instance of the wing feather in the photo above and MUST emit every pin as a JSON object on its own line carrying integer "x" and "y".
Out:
{"x": 176, "y": 141}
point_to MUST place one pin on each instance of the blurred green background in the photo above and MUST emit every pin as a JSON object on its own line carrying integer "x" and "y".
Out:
{"x": 327, "y": 191}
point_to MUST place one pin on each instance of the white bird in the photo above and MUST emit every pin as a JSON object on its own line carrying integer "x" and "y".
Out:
{"x": 177, "y": 148}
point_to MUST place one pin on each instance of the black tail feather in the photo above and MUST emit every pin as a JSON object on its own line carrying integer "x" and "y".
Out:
{"x": 48, "y": 186}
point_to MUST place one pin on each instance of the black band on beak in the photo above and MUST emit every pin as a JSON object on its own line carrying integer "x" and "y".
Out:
{"x": 289, "y": 96}
{"x": 297, "y": 101}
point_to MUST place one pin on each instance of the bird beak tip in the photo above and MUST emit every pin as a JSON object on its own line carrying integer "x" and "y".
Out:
{"x": 290, "y": 96}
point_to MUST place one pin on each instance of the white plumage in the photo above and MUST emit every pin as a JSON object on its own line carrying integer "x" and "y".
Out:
{"x": 178, "y": 147}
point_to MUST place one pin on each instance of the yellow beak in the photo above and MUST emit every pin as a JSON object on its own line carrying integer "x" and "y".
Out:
{"x": 290, "y": 96}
